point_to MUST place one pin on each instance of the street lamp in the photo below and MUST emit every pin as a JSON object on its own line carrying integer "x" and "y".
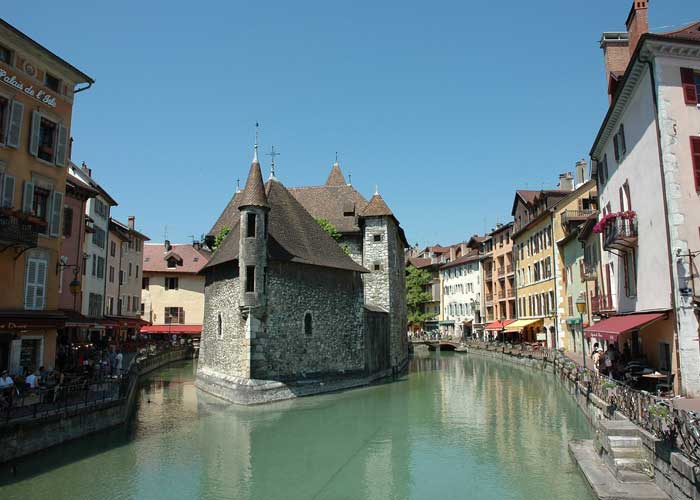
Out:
{"x": 581, "y": 307}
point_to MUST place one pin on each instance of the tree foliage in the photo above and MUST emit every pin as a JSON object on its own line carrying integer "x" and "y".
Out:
{"x": 329, "y": 228}
{"x": 221, "y": 236}
{"x": 416, "y": 282}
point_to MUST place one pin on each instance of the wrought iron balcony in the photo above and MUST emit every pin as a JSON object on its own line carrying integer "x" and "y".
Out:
{"x": 17, "y": 231}
{"x": 620, "y": 234}
{"x": 489, "y": 298}
{"x": 574, "y": 216}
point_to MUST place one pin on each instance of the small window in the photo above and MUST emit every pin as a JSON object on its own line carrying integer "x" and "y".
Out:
{"x": 145, "y": 283}
{"x": 67, "y": 221}
{"x": 219, "y": 327}
{"x": 377, "y": 266}
{"x": 377, "y": 237}
{"x": 308, "y": 323}
{"x": 250, "y": 278}
{"x": 171, "y": 283}
{"x": 4, "y": 114}
{"x": 52, "y": 82}
{"x": 172, "y": 263}
{"x": 250, "y": 233}
{"x": 5, "y": 55}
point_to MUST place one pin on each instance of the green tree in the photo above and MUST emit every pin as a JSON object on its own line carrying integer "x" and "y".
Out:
{"x": 221, "y": 236}
{"x": 416, "y": 282}
{"x": 328, "y": 227}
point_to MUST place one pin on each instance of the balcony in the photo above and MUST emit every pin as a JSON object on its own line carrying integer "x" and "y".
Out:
{"x": 501, "y": 272}
{"x": 619, "y": 232}
{"x": 601, "y": 303}
{"x": 489, "y": 298}
{"x": 576, "y": 216}
{"x": 19, "y": 230}
{"x": 488, "y": 276}
{"x": 509, "y": 269}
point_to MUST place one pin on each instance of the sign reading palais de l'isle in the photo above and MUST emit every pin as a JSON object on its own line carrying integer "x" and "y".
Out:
{"x": 39, "y": 95}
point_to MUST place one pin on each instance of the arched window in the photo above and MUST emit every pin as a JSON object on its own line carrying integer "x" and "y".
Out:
{"x": 219, "y": 327}
{"x": 308, "y": 323}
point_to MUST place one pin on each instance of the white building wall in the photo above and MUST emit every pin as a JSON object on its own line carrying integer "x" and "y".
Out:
{"x": 462, "y": 288}
{"x": 93, "y": 284}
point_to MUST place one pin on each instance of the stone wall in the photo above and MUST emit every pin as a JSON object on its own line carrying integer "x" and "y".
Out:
{"x": 354, "y": 244}
{"x": 283, "y": 351}
{"x": 227, "y": 354}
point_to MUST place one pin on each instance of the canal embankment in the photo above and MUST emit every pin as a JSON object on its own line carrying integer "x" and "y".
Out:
{"x": 640, "y": 439}
{"x": 47, "y": 421}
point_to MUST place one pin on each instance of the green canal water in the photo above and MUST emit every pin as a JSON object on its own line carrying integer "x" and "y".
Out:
{"x": 457, "y": 426}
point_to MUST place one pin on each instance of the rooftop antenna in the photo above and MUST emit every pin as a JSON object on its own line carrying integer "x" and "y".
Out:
{"x": 165, "y": 232}
{"x": 193, "y": 239}
{"x": 255, "y": 154}
{"x": 336, "y": 157}
{"x": 272, "y": 154}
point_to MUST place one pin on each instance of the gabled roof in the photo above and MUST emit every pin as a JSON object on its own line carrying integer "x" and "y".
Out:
{"x": 472, "y": 256}
{"x": 191, "y": 259}
{"x": 688, "y": 32}
{"x": 293, "y": 236}
{"x": 420, "y": 262}
{"x": 123, "y": 230}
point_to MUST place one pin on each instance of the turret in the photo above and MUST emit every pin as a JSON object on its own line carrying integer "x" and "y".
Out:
{"x": 253, "y": 209}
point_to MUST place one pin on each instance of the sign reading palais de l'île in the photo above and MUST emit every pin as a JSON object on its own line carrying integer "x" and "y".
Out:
{"x": 39, "y": 95}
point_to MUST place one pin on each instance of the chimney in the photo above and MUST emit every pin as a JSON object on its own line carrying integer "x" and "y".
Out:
{"x": 581, "y": 172}
{"x": 566, "y": 181}
{"x": 167, "y": 245}
{"x": 616, "y": 53}
{"x": 637, "y": 23}
{"x": 132, "y": 220}
{"x": 85, "y": 169}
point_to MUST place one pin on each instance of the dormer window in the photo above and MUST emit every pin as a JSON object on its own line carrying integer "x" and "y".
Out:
{"x": 348, "y": 209}
{"x": 52, "y": 82}
{"x": 172, "y": 263}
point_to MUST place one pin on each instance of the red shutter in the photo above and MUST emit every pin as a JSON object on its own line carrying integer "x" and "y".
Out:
{"x": 689, "y": 89}
{"x": 695, "y": 152}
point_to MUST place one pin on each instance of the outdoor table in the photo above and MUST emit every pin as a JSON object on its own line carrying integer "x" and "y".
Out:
{"x": 655, "y": 377}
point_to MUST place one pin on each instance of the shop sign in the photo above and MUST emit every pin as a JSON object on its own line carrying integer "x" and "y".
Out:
{"x": 541, "y": 336}
{"x": 39, "y": 95}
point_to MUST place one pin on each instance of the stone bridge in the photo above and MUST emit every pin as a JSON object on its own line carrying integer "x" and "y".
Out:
{"x": 435, "y": 344}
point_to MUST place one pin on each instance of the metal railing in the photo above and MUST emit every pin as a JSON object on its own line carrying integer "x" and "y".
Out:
{"x": 620, "y": 233}
{"x": 81, "y": 394}
{"x": 603, "y": 302}
{"x": 14, "y": 230}
{"x": 577, "y": 215}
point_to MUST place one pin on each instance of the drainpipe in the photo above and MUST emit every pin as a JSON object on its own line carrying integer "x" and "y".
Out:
{"x": 649, "y": 63}
{"x": 554, "y": 275}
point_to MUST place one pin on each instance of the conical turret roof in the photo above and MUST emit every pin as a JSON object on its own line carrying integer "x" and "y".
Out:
{"x": 254, "y": 192}
{"x": 377, "y": 207}
{"x": 336, "y": 177}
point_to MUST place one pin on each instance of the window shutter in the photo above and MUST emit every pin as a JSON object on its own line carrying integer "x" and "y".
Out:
{"x": 8, "y": 191}
{"x": 56, "y": 209}
{"x": 62, "y": 146}
{"x": 623, "y": 143}
{"x": 29, "y": 287}
{"x": 617, "y": 147}
{"x": 690, "y": 92}
{"x": 626, "y": 187}
{"x": 622, "y": 200}
{"x": 28, "y": 197}
{"x": 40, "y": 284}
{"x": 695, "y": 152}
{"x": 34, "y": 134}
{"x": 14, "y": 131}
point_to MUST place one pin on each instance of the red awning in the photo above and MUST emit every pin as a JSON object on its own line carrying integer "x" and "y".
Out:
{"x": 172, "y": 329}
{"x": 498, "y": 325}
{"x": 609, "y": 329}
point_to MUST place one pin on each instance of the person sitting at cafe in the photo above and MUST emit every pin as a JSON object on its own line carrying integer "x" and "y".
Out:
{"x": 5, "y": 380}
{"x": 32, "y": 380}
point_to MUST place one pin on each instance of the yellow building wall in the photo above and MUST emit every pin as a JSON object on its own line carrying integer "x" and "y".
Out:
{"x": 189, "y": 296}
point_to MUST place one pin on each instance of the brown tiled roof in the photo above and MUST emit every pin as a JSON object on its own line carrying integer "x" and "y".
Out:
{"x": 377, "y": 207}
{"x": 331, "y": 203}
{"x": 229, "y": 217}
{"x": 254, "y": 191}
{"x": 294, "y": 236}
{"x": 155, "y": 258}
{"x": 336, "y": 177}
{"x": 472, "y": 256}
{"x": 689, "y": 32}
{"x": 419, "y": 262}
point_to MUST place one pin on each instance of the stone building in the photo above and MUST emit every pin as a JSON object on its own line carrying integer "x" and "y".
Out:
{"x": 287, "y": 312}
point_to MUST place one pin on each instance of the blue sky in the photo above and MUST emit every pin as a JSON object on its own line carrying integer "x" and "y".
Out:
{"x": 447, "y": 106}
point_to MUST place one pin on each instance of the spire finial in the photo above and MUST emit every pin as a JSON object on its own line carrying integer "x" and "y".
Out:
{"x": 272, "y": 153}
{"x": 238, "y": 185}
{"x": 349, "y": 179}
{"x": 255, "y": 153}
{"x": 336, "y": 157}
{"x": 376, "y": 190}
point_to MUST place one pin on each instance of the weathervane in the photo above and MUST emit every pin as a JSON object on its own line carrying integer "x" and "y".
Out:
{"x": 272, "y": 154}
{"x": 255, "y": 154}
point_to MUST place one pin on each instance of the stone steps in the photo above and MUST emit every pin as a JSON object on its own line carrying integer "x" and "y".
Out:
{"x": 624, "y": 442}
{"x": 626, "y": 452}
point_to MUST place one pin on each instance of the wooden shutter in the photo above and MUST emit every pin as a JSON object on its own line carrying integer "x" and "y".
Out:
{"x": 695, "y": 152}
{"x": 28, "y": 197}
{"x": 56, "y": 210}
{"x": 62, "y": 146}
{"x": 29, "y": 287}
{"x": 14, "y": 130}
{"x": 690, "y": 92}
{"x": 617, "y": 147}
{"x": 626, "y": 187}
{"x": 34, "y": 134}
{"x": 621, "y": 140}
{"x": 40, "y": 284}
{"x": 622, "y": 200}
{"x": 8, "y": 191}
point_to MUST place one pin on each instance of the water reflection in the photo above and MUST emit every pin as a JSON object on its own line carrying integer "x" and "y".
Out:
{"x": 456, "y": 427}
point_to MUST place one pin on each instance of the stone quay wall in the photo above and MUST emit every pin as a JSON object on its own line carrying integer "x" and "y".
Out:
{"x": 673, "y": 472}
{"x": 22, "y": 437}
